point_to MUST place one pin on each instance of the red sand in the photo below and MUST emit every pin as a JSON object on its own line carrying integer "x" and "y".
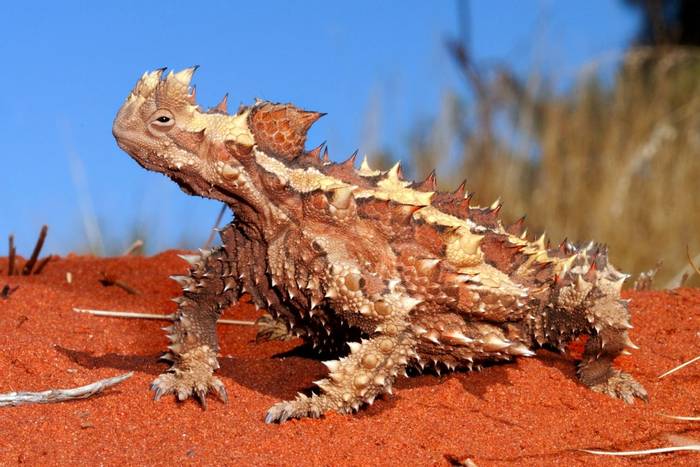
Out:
{"x": 530, "y": 412}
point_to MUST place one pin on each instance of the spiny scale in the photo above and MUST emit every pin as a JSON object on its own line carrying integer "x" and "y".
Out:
{"x": 381, "y": 272}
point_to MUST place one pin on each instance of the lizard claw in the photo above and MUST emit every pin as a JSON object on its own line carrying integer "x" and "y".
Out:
{"x": 184, "y": 385}
{"x": 302, "y": 406}
{"x": 279, "y": 413}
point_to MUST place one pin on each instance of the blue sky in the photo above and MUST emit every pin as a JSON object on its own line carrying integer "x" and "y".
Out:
{"x": 69, "y": 65}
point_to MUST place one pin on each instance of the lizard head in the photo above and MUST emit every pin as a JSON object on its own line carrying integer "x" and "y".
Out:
{"x": 161, "y": 126}
{"x": 210, "y": 153}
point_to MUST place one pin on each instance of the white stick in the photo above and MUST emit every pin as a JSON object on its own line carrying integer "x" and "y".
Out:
{"x": 131, "y": 314}
{"x": 681, "y": 417}
{"x": 646, "y": 452}
{"x": 12, "y": 399}
{"x": 133, "y": 247}
{"x": 682, "y": 365}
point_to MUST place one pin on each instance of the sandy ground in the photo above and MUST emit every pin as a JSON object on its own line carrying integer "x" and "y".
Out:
{"x": 530, "y": 412}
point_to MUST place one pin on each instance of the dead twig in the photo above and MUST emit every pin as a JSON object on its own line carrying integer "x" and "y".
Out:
{"x": 108, "y": 281}
{"x": 12, "y": 399}
{"x": 171, "y": 317}
{"x": 42, "y": 264}
{"x": 11, "y": 256}
{"x": 29, "y": 265}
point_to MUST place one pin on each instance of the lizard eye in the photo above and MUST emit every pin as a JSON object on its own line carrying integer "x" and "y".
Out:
{"x": 162, "y": 120}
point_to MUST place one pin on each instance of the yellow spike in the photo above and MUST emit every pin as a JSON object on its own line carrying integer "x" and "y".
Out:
{"x": 342, "y": 197}
{"x": 184, "y": 76}
{"x": 393, "y": 173}
{"x": 540, "y": 242}
{"x": 565, "y": 265}
{"x": 148, "y": 82}
{"x": 366, "y": 170}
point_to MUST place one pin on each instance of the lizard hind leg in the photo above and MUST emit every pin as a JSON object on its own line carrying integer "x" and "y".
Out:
{"x": 368, "y": 371}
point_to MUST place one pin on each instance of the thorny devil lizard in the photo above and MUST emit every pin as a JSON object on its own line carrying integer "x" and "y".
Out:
{"x": 406, "y": 276}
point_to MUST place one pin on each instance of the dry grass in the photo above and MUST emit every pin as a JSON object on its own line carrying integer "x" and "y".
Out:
{"x": 618, "y": 162}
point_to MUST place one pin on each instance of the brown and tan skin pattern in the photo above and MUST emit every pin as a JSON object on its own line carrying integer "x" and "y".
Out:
{"x": 401, "y": 274}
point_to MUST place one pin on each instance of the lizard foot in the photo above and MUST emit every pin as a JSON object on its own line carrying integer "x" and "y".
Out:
{"x": 191, "y": 375}
{"x": 271, "y": 329}
{"x": 623, "y": 386}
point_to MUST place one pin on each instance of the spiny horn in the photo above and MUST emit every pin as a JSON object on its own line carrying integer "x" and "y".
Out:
{"x": 429, "y": 184}
{"x": 395, "y": 172}
{"x": 316, "y": 152}
{"x": 148, "y": 83}
{"x": 223, "y": 105}
{"x": 185, "y": 76}
{"x": 350, "y": 161}
{"x": 459, "y": 192}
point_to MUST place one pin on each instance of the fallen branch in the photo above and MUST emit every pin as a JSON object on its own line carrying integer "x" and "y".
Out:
{"x": 682, "y": 365}
{"x": 12, "y": 399}
{"x": 645, "y": 452}
{"x": 134, "y": 315}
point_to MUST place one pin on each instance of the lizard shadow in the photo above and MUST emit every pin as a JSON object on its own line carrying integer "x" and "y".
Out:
{"x": 280, "y": 376}
{"x": 284, "y": 374}
{"x": 562, "y": 362}
{"x": 139, "y": 363}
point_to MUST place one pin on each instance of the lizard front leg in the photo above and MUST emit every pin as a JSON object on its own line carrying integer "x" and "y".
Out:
{"x": 211, "y": 285}
{"x": 592, "y": 305}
